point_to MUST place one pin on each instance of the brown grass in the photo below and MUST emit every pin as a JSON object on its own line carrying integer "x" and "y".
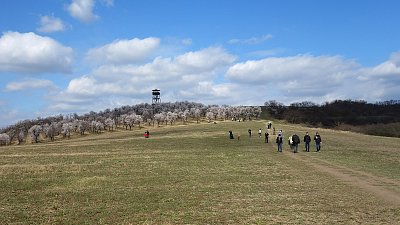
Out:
{"x": 195, "y": 175}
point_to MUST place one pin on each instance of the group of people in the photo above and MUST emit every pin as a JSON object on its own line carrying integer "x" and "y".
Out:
{"x": 294, "y": 141}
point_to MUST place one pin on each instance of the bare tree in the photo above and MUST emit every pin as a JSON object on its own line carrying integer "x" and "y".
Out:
{"x": 21, "y": 136}
{"x": 96, "y": 127}
{"x": 130, "y": 120}
{"x": 83, "y": 126}
{"x": 221, "y": 113}
{"x": 4, "y": 139}
{"x": 185, "y": 115}
{"x": 209, "y": 116}
{"x": 138, "y": 119}
{"x": 159, "y": 117}
{"x": 51, "y": 130}
{"x": 121, "y": 120}
{"x": 197, "y": 114}
{"x": 66, "y": 129}
{"x": 35, "y": 132}
{"x": 171, "y": 117}
{"x": 110, "y": 123}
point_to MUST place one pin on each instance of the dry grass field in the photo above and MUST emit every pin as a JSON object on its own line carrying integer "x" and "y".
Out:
{"x": 194, "y": 174}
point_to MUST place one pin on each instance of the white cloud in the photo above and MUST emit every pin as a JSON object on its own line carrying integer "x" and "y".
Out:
{"x": 185, "y": 68}
{"x": 49, "y": 24}
{"x": 124, "y": 51}
{"x": 380, "y": 82}
{"x": 210, "y": 76}
{"x": 296, "y": 77}
{"x": 210, "y": 93}
{"x": 130, "y": 83}
{"x": 31, "y": 53}
{"x": 29, "y": 85}
{"x": 386, "y": 70}
{"x": 206, "y": 59}
{"x": 251, "y": 41}
{"x": 83, "y": 10}
{"x": 285, "y": 69}
{"x": 317, "y": 78}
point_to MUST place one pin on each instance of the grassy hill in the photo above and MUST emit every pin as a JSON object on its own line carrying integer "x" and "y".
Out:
{"x": 195, "y": 174}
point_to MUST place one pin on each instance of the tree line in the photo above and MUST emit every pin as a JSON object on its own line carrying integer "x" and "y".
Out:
{"x": 123, "y": 118}
{"x": 337, "y": 112}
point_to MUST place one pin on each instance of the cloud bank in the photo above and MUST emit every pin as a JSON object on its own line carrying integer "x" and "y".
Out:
{"x": 123, "y": 51}
{"x": 212, "y": 75}
{"x": 30, "y": 84}
{"x": 125, "y": 71}
{"x": 180, "y": 77}
{"x": 31, "y": 53}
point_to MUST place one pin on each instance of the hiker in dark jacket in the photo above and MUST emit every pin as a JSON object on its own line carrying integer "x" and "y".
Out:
{"x": 266, "y": 137}
{"x": 296, "y": 142}
{"x": 307, "y": 140}
{"x": 279, "y": 141}
{"x": 318, "y": 141}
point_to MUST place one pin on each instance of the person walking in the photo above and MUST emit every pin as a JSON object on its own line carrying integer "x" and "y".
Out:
{"x": 266, "y": 137}
{"x": 230, "y": 134}
{"x": 259, "y": 132}
{"x": 279, "y": 141}
{"x": 318, "y": 141}
{"x": 307, "y": 140}
{"x": 296, "y": 142}
{"x": 249, "y": 132}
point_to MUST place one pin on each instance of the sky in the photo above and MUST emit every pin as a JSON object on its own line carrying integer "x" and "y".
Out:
{"x": 76, "y": 56}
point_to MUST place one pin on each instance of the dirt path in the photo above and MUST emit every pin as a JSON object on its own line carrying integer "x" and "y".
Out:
{"x": 379, "y": 186}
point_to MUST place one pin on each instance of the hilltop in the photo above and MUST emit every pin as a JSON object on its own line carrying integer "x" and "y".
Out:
{"x": 193, "y": 173}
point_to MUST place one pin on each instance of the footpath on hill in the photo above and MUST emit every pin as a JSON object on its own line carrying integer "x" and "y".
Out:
{"x": 382, "y": 187}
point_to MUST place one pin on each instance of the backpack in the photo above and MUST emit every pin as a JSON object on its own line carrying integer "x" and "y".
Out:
{"x": 296, "y": 139}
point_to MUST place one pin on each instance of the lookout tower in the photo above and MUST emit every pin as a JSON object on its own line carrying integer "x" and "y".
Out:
{"x": 156, "y": 96}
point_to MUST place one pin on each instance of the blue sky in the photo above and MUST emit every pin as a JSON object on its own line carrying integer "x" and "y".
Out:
{"x": 66, "y": 56}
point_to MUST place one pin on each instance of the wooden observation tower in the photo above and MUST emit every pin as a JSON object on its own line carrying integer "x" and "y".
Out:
{"x": 156, "y": 97}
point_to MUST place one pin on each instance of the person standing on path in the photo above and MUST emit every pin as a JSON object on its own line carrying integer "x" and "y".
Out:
{"x": 259, "y": 132}
{"x": 307, "y": 140}
{"x": 295, "y": 142}
{"x": 318, "y": 141}
{"x": 249, "y": 132}
{"x": 279, "y": 141}
{"x": 266, "y": 137}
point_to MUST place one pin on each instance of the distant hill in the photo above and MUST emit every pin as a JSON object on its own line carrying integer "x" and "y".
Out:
{"x": 381, "y": 118}
{"x": 123, "y": 117}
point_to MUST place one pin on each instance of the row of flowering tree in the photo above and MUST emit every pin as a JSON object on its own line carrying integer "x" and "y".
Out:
{"x": 124, "y": 117}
